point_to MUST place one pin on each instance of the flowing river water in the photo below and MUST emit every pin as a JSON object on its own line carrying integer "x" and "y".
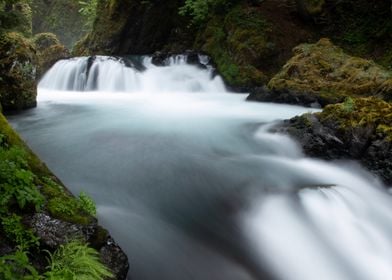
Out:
{"x": 192, "y": 184}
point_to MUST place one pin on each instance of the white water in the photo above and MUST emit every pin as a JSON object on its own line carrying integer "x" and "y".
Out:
{"x": 194, "y": 186}
{"x": 109, "y": 74}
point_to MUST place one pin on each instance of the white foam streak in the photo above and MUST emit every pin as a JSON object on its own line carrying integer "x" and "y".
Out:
{"x": 340, "y": 232}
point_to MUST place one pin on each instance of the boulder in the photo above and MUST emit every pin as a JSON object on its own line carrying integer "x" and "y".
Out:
{"x": 324, "y": 71}
{"x": 49, "y": 51}
{"x": 359, "y": 129}
{"x": 112, "y": 256}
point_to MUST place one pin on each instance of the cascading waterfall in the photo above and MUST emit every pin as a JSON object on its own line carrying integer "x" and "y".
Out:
{"x": 111, "y": 74}
{"x": 195, "y": 186}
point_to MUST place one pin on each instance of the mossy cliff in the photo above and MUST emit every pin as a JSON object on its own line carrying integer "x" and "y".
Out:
{"x": 359, "y": 128}
{"x": 38, "y": 216}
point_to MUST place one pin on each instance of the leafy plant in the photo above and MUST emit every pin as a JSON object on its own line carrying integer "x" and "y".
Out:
{"x": 88, "y": 9}
{"x": 63, "y": 205}
{"x": 76, "y": 260}
{"x": 17, "y": 266}
{"x": 16, "y": 182}
{"x": 348, "y": 105}
{"x": 199, "y": 10}
{"x": 87, "y": 204}
{"x": 15, "y": 231}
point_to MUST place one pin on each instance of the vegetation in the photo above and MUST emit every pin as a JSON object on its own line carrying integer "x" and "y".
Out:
{"x": 20, "y": 175}
{"x": 238, "y": 42}
{"x": 76, "y": 260}
{"x": 17, "y": 266}
{"x": 88, "y": 9}
{"x": 199, "y": 10}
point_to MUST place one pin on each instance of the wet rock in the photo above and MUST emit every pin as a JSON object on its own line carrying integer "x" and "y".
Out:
{"x": 53, "y": 232}
{"x": 263, "y": 94}
{"x": 359, "y": 130}
{"x": 112, "y": 256}
{"x": 159, "y": 58}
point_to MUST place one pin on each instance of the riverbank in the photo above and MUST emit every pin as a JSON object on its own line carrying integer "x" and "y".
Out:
{"x": 40, "y": 218}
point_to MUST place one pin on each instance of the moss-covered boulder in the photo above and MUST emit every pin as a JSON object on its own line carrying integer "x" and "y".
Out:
{"x": 359, "y": 129}
{"x": 325, "y": 72}
{"x": 49, "y": 51}
{"x": 18, "y": 62}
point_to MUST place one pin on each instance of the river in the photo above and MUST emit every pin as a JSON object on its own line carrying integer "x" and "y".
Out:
{"x": 192, "y": 184}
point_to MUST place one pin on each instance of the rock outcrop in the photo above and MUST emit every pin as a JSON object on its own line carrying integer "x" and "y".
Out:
{"x": 359, "y": 129}
{"x": 324, "y": 73}
{"x": 49, "y": 51}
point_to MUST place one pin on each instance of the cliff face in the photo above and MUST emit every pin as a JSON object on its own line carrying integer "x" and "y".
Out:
{"x": 248, "y": 40}
{"x": 131, "y": 27}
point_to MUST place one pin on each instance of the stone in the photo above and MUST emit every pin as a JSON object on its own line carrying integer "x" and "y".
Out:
{"x": 326, "y": 73}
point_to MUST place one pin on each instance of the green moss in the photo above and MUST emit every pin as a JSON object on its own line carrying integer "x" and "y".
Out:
{"x": 49, "y": 51}
{"x": 17, "y": 69}
{"x": 62, "y": 205}
{"x": 238, "y": 43}
{"x": 361, "y": 112}
{"x": 325, "y": 70}
{"x": 13, "y": 139}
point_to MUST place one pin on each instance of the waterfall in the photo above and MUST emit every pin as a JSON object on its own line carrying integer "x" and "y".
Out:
{"x": 111, "y": 74}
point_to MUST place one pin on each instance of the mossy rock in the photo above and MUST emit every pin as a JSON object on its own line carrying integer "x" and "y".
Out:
{"x": 18, "y": 72}
{"x": 49, "y": 51}
{"x": 361, "y": 113}
{"x": 238, "y": 42}
{"x": 359, "y": 129}
{"x": 326, "y": 71}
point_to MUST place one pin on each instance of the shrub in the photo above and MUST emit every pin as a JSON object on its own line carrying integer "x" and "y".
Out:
{"x": 15, "y": 231}
{"x": 76, "y": 260}
{"x": 17, "y": 266}
{"x": 198, "y": 10}
{"x": 87, "y": 204}
{"x": 17, "y": 183}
